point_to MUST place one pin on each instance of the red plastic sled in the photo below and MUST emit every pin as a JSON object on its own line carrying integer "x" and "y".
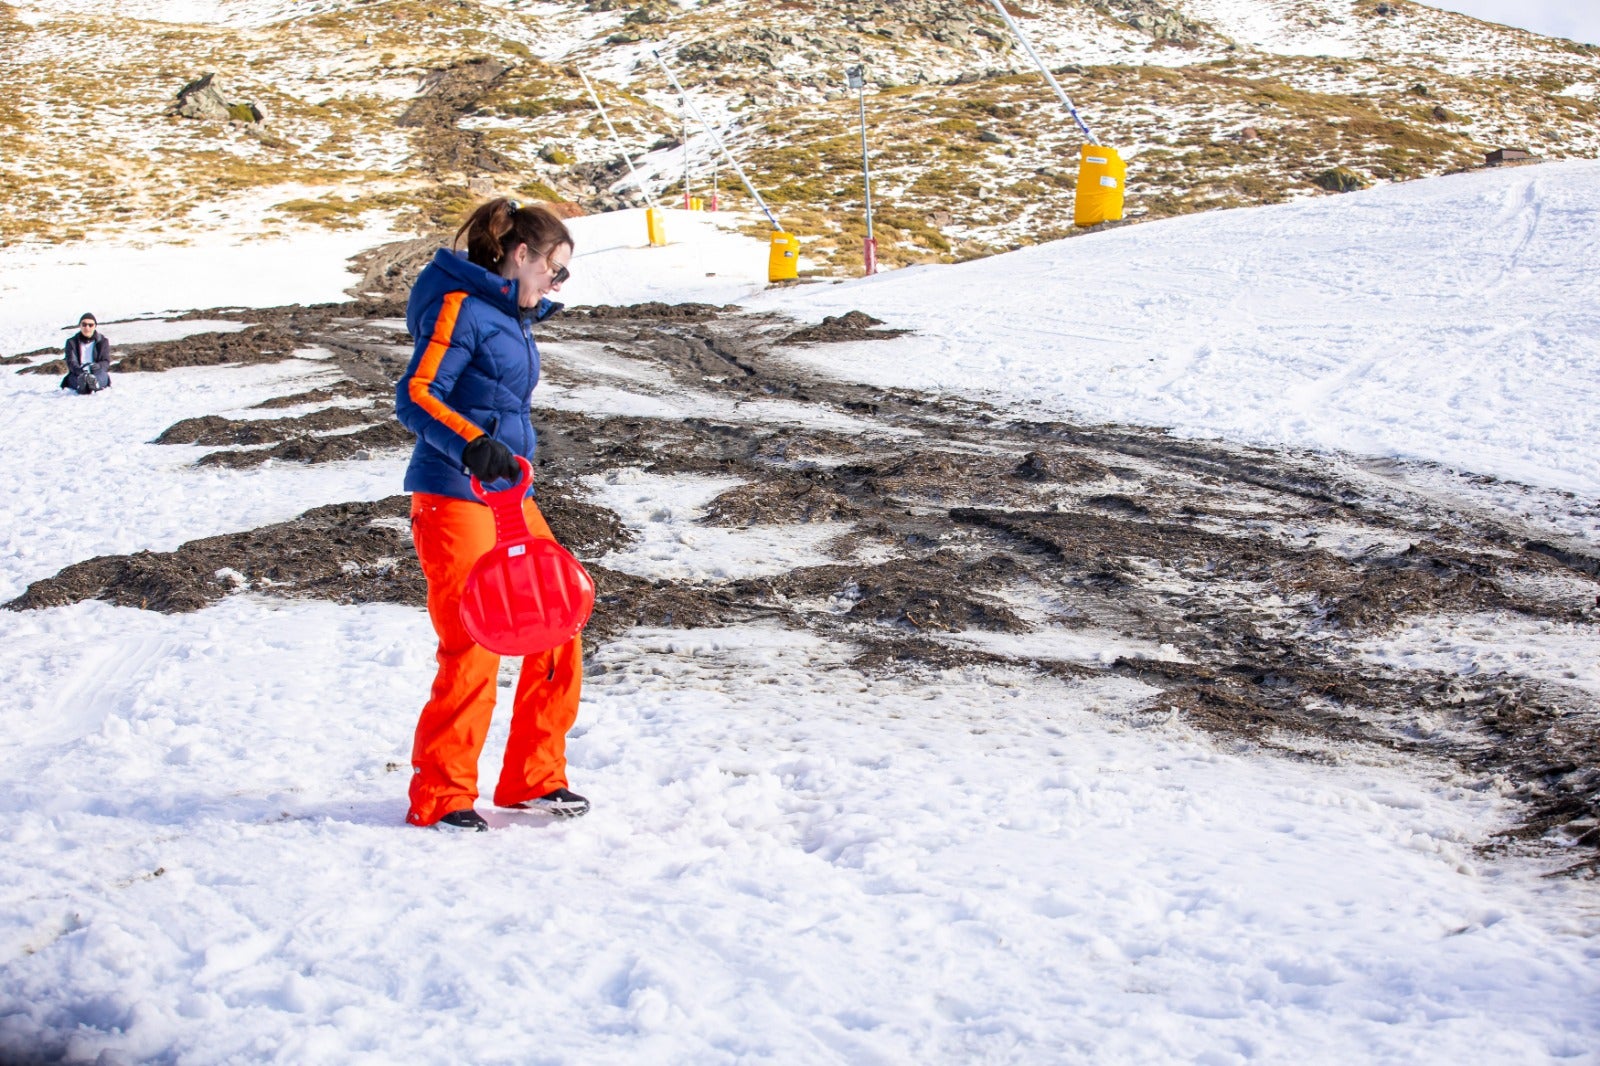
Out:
{"x": 527, "y": 594}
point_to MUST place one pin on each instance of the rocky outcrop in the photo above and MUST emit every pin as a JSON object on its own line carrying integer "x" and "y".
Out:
{"x": 1162, "y": 23}
{"x": 447, "y": 94}
{"x": 1340, "y": 179}
{"x": 203, "y": 99}
{"x": 452, "y": 90}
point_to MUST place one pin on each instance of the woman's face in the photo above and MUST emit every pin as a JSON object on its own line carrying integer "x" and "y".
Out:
{"x": 538, "y": 274}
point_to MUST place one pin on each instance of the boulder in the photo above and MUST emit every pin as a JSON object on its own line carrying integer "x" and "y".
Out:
{"x": 203, "y": 99}
{"x": 1340, "y": 179}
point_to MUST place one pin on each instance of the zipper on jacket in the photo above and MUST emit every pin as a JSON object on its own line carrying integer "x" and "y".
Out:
{"x": 527, "y": 338}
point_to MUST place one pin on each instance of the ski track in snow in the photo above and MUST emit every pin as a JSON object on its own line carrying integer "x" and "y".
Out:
{"x": 202, "y": 843}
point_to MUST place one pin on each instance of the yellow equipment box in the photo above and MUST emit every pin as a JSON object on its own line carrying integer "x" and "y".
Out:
{"x": 1101, "y": 177}
{"x": 784, "y": 262}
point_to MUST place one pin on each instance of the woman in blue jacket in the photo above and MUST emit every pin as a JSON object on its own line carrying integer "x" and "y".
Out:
{"x": 466, "y": 396}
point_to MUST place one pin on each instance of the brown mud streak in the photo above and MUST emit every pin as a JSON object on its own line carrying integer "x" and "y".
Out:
{"x": 1261, "y": 570}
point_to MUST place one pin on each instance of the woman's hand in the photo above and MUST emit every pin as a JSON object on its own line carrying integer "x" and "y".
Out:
{"x": 489, "y": 460}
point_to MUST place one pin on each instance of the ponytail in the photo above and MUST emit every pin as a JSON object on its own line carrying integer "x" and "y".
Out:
{"x": 496, "y": 227}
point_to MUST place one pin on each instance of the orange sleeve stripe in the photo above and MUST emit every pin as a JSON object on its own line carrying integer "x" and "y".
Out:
{"x": 428, "y": 367}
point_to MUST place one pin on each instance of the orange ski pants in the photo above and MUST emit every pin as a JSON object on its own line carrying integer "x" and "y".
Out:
{"x": 451, "y": 535}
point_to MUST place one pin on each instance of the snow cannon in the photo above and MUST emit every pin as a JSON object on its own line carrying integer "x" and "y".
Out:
{"x": 1102, "y": 176}
{"x": 527, "y": 594}
{"x": 783, "y": 263}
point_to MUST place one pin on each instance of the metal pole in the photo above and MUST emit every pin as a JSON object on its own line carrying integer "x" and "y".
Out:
{"x": 651, "y": 200}
{"x": 683, "y": 116}
{"x": 1049, "y": 77}
{"x": 718, "y": 142}
{"x": 857, "y": 78}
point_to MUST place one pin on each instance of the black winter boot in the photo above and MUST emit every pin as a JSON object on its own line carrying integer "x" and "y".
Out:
{"x": 465, "y": 820}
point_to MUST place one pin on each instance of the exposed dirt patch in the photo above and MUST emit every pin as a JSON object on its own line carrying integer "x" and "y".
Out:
{"x": 937, "y": 594}
{"x": 448, "y": 94}
{"x": 339, "y": 391}
{"x": 584, "y": 528}
{"x": 762, "y": 503}
{"x": 258, "y": 344}
{"x": 655, "y": 310}
{"x": 347, "y": 552}
{"x": 1259, "y": 574}
{"x": 850, "y": 326}
{"x": 210, "y": 429}
{"x": 379, "y": 436}
{"x": 389, "y": 269}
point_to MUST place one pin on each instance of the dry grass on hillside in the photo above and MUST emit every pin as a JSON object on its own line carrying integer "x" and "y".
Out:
{"x": 972, "y": 154}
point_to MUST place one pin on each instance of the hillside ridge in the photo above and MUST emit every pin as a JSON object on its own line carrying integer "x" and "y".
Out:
{"x": 414, "y": 110}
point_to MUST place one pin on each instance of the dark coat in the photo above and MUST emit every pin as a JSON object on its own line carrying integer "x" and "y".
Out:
{"x": 91, "y": 356}
{"x": 472, "y": 372}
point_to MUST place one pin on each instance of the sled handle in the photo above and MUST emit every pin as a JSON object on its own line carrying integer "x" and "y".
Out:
{"x": 506, "y": 504}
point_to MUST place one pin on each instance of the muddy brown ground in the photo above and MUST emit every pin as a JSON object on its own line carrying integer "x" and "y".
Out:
{"x": 1259, "y": 572}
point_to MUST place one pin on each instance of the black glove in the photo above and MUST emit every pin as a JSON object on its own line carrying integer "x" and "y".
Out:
{"x": 489, "y": 460}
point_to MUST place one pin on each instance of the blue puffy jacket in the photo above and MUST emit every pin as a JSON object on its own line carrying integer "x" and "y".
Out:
{"x": 472, "y": 373}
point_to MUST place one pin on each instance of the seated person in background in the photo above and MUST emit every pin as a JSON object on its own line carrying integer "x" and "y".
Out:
{"x": 88, "y": 355}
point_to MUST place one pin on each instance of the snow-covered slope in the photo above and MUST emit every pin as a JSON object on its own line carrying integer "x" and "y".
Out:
{"x": 1453, "y": 321}
{"x": 1435, "y": 37}
{"x": 201, "y": 845}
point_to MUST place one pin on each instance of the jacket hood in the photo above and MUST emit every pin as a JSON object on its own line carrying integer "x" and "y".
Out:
{"x": 451, "y": 271}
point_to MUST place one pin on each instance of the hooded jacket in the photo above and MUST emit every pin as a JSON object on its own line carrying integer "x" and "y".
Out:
{"x": 472, "y": 372}
{"x": 91, "y": 357}
{"x": 79, "y": 352}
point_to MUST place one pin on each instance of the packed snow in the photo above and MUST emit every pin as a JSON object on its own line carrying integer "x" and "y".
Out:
{"x": 204, "y": 858}
{"x": 1454, "y": 321}
{"x": 1430, "y": 34}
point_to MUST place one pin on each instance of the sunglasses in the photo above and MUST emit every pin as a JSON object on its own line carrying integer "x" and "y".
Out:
{"x": 560, "y": 273}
